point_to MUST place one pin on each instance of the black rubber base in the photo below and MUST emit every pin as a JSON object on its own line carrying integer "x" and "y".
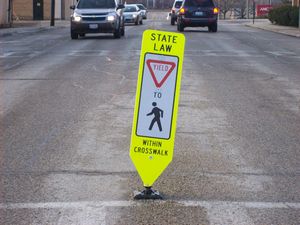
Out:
{"x": 148, "y": 193}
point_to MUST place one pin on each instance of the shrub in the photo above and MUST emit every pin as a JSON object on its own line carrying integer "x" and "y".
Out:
{"x": 285, "y": 15}
{"x": 294, "y": 15}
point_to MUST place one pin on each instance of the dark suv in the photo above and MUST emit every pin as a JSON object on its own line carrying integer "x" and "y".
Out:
{"x": 198, "y": 13}
{"x": 97, "y": 16}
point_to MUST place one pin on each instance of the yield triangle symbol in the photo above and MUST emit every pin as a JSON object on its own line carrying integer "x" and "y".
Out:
{"x": 162, "y": 77}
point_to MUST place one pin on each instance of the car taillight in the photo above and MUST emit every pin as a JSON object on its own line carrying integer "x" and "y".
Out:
{"x": 216, "y": 10}
{"x": 182, "y": 11}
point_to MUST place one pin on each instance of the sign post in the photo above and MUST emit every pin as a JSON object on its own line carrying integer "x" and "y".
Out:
{"x": 156, "y": 105}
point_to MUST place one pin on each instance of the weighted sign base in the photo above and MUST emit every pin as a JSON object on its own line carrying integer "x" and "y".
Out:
{"x": 148, "y": 193}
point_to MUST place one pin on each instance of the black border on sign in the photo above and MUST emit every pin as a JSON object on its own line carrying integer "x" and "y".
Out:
{"x": 137, "y": 118}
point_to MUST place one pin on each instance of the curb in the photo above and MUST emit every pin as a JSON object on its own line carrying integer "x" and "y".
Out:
{"x": 5, "y": 32}
{"x": 22, "y": 31}
{"x": 274, "y": 31}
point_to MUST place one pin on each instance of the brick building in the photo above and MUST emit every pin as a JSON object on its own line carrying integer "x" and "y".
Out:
{"x": 295, "y": 2}
{"x": 41, "y": 9}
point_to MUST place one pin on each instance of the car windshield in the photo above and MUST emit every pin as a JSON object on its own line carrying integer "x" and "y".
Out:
{"x": 199, "y": 3}
{"x": 130, "y": 9}
{"x": 96, "y": 4}
{"x": 141, "y": 7}
{"x": 178, "y": 4}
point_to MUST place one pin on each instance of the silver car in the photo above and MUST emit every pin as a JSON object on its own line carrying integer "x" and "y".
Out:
{"x": 97, "y": 16}
{"x": 143, "y": 10}
{"x": 132, "y": 14}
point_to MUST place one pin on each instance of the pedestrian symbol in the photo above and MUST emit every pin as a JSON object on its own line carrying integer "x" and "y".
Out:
{"x": 158, "y": 113}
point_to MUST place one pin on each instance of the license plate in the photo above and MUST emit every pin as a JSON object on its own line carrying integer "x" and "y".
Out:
{"x": 93, "y": 26}
{"x": 198, "y": 13}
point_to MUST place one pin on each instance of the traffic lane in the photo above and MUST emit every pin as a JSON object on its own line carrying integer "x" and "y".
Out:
{"x": 239, "y": 138}
{"x": 23, "y": 47}
{"x": 211, "y": 136}
{"x": 268, "y": 85}
{"x": 215, "y": 125}
{"x": 62, "y": 53}
{"x": 19, "y": 49}
{"x": 66, "y": 134}
{"x": 238, "y": 76}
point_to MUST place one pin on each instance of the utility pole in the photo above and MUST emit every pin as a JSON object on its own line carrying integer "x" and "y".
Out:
{"x": 9, "y": 15}
{"x": 299, "y": 14}
{"x": 52, "y": 13}
{"x": 247, "y": 9}
{"x": 254, "y": 12}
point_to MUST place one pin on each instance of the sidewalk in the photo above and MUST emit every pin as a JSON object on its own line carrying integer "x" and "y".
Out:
{"x": 31, "y": 26}
{"x": 267, "y": 25}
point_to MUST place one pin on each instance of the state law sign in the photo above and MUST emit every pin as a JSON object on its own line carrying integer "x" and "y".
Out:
{"x": 156, "y": 104}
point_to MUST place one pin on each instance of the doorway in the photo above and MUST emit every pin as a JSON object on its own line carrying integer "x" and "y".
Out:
{"x": 38, "y": 9}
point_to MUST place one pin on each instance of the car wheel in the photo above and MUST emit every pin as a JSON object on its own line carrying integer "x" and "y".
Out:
{"x": 213, "y": 28}
{"x": 180, "y": 27}
{"x": 172, "y": 21}
{"x": 74, "y": 35}
{"x": 141, "y": 22}
{"x": 81, "y": 35}
{"x": 137, "y": 21}
{"x": 117, "y": 33}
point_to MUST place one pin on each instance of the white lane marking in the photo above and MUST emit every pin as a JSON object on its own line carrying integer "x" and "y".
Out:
{"x": 87, "y": 216}
{"x": 235, "y": 204}
{"x": 65, "y": 205}
{"x": 10, "y": 42}
{"x": 281, "y": 53}
{"x": 96, "y": 204}
{"x": 6, "y": 54}
{"x": 219, "y": 215}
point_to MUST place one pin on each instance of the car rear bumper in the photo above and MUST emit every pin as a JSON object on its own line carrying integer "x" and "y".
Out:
{"x": 198, "y": 22}
{"x": 93, "y": 27}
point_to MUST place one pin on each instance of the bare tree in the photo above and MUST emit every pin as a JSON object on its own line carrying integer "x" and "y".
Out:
{"x": 225, "y": 6}
{"x": 240, "y": 8}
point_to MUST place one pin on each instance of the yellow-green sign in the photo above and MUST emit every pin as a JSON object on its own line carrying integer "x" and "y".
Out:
{"x": 156, "y": 104}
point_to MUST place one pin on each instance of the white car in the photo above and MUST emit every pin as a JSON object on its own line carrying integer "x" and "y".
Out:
{"x": 174, "y": 11}
{"x": 132, "y": 14}
{"x": 143, "y": 10}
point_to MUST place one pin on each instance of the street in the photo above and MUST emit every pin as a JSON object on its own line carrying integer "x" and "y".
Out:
{"x": 66, "y": 109}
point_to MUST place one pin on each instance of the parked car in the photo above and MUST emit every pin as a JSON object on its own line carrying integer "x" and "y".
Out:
{"x": 174, "y": 11}
{"x": 97, "y": 16}
{"x": 144, "y": 11}
{"x": 198, "y": 13}
{"x": 132, "y": 14}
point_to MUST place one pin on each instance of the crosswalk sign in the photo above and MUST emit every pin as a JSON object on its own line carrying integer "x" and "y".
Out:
{"x": 156, "y": 104}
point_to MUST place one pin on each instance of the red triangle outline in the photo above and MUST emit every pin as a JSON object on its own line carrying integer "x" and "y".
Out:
{"x": 172, "y": 64}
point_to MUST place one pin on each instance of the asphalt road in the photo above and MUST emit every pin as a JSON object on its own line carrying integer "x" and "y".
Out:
{"x": 66, "y": 113}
